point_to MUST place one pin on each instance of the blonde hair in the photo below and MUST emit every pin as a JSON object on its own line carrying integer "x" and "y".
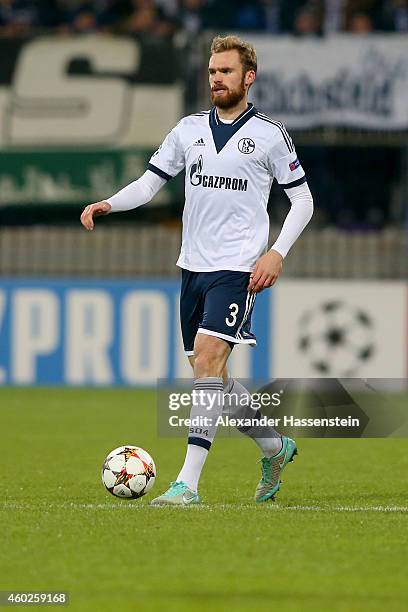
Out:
{"x": 246, "y": 51}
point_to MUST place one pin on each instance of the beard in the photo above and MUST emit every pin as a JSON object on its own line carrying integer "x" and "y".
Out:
{"x": 231, "y": 98}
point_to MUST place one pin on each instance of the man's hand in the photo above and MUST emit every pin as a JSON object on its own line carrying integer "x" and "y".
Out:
{"x": 94, "y": 210}
{"x": 266, "y": 271}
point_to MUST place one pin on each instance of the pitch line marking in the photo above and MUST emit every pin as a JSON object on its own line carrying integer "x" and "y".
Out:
{"x": 138, "y": 506}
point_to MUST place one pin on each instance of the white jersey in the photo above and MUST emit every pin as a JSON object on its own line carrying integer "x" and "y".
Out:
{"x": 229, "y": 173}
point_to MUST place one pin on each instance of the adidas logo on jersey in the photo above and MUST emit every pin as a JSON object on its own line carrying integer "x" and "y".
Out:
{"x": 199, "y": 143}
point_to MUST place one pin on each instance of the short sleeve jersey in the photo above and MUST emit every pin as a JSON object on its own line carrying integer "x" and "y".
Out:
{"x": 229, "y": 172}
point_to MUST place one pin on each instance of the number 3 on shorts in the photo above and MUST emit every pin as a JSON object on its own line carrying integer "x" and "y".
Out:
{"x": 232, "y": 319}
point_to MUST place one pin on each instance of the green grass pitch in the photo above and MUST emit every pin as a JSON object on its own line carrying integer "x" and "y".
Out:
{"x": 335, "y": 539}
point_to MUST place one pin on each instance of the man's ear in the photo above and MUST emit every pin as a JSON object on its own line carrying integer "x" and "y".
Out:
{"x": 250, "y": 77}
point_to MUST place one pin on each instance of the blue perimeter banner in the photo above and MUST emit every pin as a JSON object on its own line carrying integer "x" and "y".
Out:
{"x": 87, "y": 332}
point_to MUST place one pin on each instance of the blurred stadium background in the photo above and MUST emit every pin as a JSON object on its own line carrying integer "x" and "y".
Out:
{"x": 88, "y": 90}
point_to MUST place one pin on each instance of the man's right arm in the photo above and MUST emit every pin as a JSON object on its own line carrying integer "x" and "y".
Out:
{"x": 165, "y": 163}
{"x": 133, "y": 195}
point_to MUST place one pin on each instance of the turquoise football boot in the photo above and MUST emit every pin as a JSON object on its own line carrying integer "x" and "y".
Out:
{"x": 272, "y": 468}
{"x": 178, "y": 494}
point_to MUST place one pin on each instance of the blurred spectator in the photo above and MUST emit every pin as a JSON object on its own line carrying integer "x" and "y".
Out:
{"x": 190, "y": 16}
{"x": 86, "y": 16}
{"x": 249, "y": 16}
{"x": 288, "y": 11}
{"x": 111, "y": 12}
{"x": 168, "y": 8}
{"x": 344, "y": 15}
{"x": 146, "y": 19}
{"x": 395, "y": 15}
{"x": 334, "y": 16}
{"x": 85, "y": 22}
{"x": 17, "y": 17}
{"x": 307, "y": 23}
{"x": 360, "y": 23}
{"x": 371, "y": 8}
{"x": 272, "y": 15}
{"x": 159, "y": 17}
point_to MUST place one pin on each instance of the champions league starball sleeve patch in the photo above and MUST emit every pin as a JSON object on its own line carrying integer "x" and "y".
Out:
{"x": 295, "y": 164}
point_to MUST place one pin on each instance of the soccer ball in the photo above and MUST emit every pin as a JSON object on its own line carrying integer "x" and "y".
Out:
{"x": 128, "y": 471}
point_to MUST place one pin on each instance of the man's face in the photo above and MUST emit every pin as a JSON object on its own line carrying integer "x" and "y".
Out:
{"x": 228, "y": 82}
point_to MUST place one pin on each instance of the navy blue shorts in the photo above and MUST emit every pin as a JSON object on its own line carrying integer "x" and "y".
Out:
{"x": 217, "y": 304}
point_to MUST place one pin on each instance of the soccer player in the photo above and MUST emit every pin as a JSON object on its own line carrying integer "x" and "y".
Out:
{"x": 231, "y": 155}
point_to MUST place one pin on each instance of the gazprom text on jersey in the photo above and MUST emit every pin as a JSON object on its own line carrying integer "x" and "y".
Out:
{"x": 220, "y": 182}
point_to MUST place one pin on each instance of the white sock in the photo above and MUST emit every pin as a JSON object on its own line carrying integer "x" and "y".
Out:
{"x": 193, "y": 464}
{"x": 269, "y": 446}
{"x": 208, "y": 405}
{"x": 267, "y": 438}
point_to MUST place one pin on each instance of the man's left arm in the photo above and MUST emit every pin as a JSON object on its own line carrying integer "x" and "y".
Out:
{"x": 283, "y": 165}
{"x": 269, "y": 266}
